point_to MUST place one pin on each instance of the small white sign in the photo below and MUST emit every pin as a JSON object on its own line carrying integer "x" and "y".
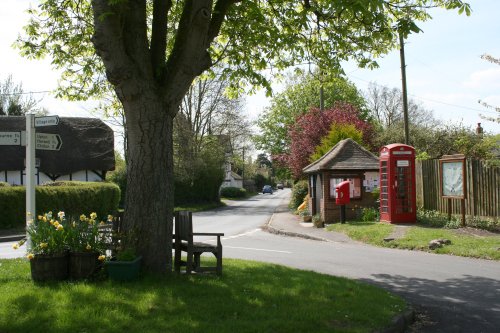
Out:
{"x": 46, "y": 121}
{"x": 402, "y": 163}
{"x": 10, "y": 138}
{"x": 46, "y": 141}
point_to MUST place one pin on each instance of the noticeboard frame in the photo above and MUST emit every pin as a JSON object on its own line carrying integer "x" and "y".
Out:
{"x": 452, "y": 174}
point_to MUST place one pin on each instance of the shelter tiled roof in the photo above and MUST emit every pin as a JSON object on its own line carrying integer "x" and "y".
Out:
{"x": 345, "y": 155}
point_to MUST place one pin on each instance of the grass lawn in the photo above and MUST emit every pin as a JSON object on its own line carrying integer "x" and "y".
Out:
{"x": 418, "y": 237}
{"x": 249, "y": 297}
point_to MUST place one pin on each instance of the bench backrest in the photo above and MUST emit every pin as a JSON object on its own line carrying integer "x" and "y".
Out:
{"x": 184, "y": 225}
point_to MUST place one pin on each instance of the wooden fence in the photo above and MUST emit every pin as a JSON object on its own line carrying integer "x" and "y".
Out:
{"x": 483, "y": 189}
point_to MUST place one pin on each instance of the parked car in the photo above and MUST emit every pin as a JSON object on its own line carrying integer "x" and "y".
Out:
{"x": 267, "y": 189}
{"x": 279, "y": 186}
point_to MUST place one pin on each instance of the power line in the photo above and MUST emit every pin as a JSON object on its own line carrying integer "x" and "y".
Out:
{"x": 431, "y": 100}
{"x": 27, "y": 93}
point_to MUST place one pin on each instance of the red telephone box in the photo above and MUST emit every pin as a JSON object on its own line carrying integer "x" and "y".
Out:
{"x": 343, "y": 195}
{"x": 397, "y": 184}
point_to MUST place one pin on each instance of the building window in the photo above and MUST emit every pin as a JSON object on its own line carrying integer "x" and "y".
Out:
{"x": 354, "y": 187}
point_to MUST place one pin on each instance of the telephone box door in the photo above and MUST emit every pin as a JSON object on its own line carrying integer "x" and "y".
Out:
{"x": 397, "y": 176}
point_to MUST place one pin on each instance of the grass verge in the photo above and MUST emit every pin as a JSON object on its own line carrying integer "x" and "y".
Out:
{"x": 200, "y": 207}
{"x": 249, "y": 297}
{"x": 418, "y": 237}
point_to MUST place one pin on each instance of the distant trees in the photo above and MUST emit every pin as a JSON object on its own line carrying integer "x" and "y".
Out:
{"x": 299, "y": 96}
{"x": 430, "y": 137}
{"x": 14, "y": 101}
{"x": 310, "y": 128}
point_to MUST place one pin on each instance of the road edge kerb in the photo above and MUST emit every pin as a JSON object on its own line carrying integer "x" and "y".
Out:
{"x": 12, "y": 238}
{"x": 400, "y": 323}
{"x": 267, "y": 227}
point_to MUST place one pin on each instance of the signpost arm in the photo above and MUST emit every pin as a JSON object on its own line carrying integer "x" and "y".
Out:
{"x": 30, "y": 173}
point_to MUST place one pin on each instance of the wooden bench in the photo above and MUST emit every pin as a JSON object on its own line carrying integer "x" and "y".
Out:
{"x": 183, "y": 238}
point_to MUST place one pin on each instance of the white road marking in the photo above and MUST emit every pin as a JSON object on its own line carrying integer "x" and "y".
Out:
{"x": 243, "y": 234}
{"x": 254, "y": 249}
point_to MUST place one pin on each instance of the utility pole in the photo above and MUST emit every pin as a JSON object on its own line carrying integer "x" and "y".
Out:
{"x": 405, "y": 93}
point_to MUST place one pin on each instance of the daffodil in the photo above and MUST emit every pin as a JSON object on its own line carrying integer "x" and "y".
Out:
{"x": 93, "y": 216}
{"x": 60, "y": 227}
{"x": 55, "y": 223}
{"x": 61, "y": 215}
{"x": 30, "y": 256}
{"x": 102, "y": 257}
{"x": 15, "y": 246}
{"x": 102, "y": 223}
{"x": 88, "y": 247}
{"x": 83, "y": 217}
{"x": 110, "y": 218}
{"x": 43, "y": 245}
{"x": 44, "y": 219}
{"x": 73, "y": 224}
{"x": 40, "y": 217}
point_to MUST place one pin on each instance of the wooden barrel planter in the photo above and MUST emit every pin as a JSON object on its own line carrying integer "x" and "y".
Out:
{"x": 82, "y": 265}
{"x": 52, "y": 267}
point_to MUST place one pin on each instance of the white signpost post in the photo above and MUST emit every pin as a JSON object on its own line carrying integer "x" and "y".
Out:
{"x": 36, "y": 141}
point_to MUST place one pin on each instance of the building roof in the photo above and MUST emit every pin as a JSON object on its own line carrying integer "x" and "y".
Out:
{"x": 236, "y": 176}
{"x": 87, "y": 144}
{"x": 345, "y": 155}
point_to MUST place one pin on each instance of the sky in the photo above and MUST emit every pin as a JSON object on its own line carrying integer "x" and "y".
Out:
{"x": 445, "y": 73}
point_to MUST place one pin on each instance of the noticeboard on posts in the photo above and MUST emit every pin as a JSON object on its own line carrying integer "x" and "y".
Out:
{"x": 452, "y": 176}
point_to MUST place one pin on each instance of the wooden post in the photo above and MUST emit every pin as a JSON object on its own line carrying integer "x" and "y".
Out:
{"x": 462, "y": 204}
{"x": 449, "y": 209}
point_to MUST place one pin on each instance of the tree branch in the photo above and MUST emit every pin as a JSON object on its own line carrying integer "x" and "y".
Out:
{"x": 220, "y": 11}
{"x": 159, "y": 33}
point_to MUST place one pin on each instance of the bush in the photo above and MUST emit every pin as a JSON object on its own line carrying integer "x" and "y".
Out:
{"x": 299, "y": 192}
{"x": 317, "y": 221}
{"x": 370, "y": 214}
{"x": 433, "y": 218}
{"x": 233, "y": 192}
{"x": 4, "y": 184}
{"x": 119, "y": 177}
{"x": 73, "y": 198}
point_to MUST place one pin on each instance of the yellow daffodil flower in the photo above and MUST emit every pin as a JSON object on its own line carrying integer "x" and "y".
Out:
{"x": 83, "y": 217}
{"x": 93, "y": 216}
{"x": 55, "y": 223}
{"x": 43, "y": 245}
{"x": 88, "y": 247}
{"x": 15, "y": 246}
{"x": 60, "y": 227}
{"x": 101, "y": 257}
{"x": 61, "y": 215}
{"x": 30, "y": 256}
{"x": 44, "y": 219}
{"x": 73, "y": 224}
{"x": 110, "y": 218}
{"x": 40, "y": 217}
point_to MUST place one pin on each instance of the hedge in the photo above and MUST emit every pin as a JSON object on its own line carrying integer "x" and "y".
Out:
{"x": 74, "y": 198}
{"x": 232, "y": 192}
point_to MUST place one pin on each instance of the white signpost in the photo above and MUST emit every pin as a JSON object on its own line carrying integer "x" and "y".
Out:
{"x": 34, "y": 141}
{"x": 10, "y": 138}
{"x": 46, "y": 121}
{"x": 46, "y": 141}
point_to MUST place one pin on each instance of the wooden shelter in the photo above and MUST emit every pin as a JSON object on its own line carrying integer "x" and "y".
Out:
{"x": 347, "y": 160}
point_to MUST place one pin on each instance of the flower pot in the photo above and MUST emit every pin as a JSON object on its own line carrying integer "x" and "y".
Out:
{"x": 124, "y": 270}
{"x": 49, "y": 267}
{"x": 307, "y": 218}
{"x": 83, "y": 265}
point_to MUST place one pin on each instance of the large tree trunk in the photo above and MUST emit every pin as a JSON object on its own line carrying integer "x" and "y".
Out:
{"x": 149, "y": 201}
